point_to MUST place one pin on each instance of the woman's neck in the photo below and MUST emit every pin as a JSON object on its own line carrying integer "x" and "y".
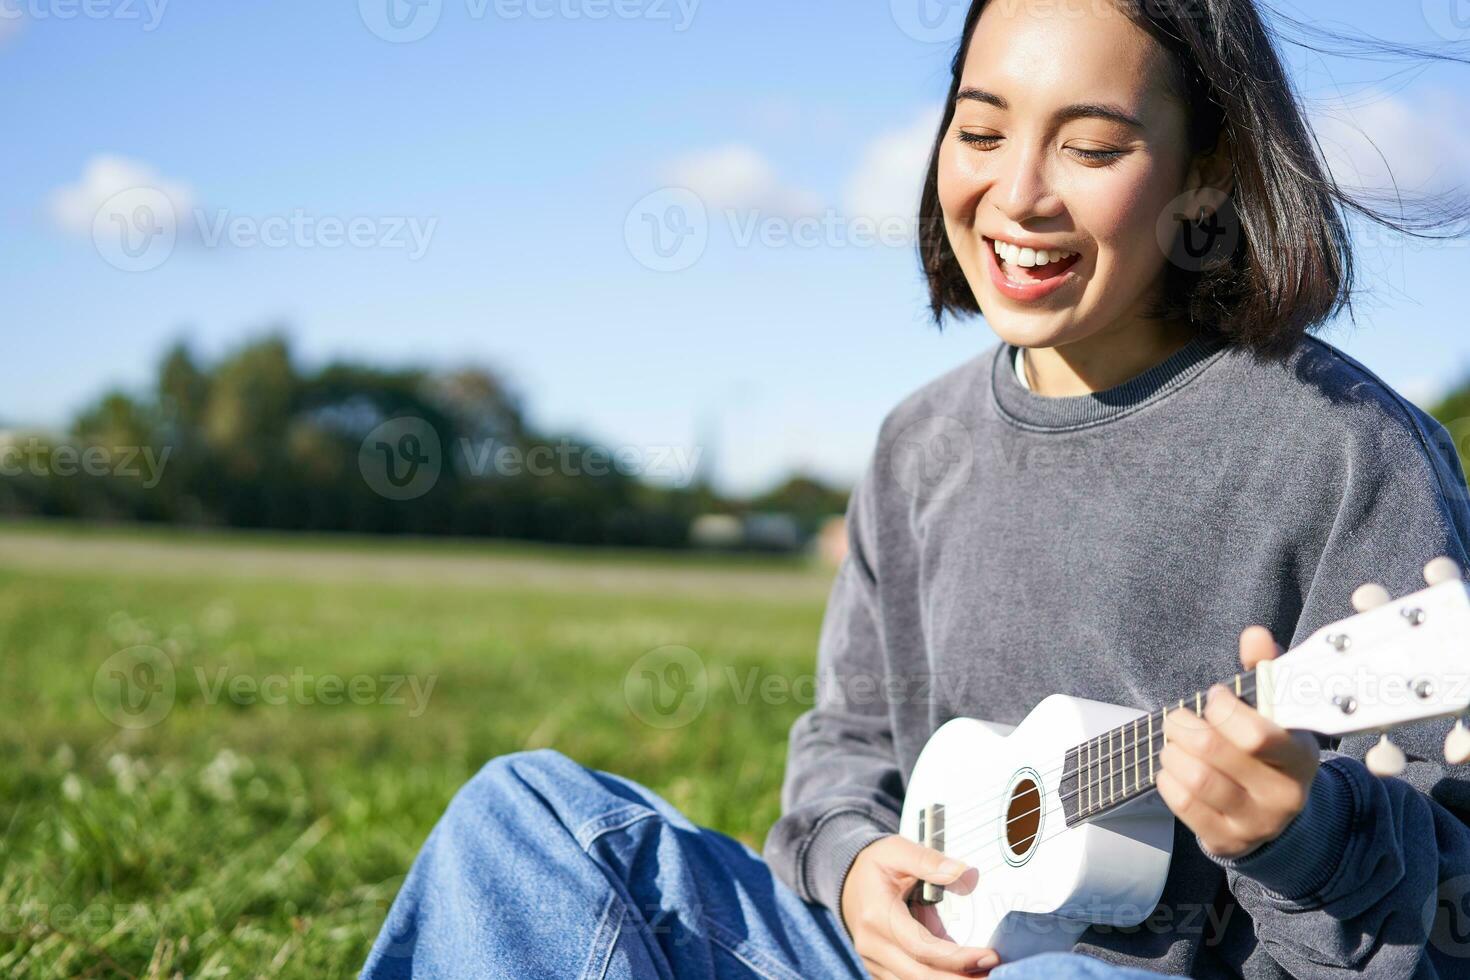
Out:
{"x": 1104, "y": 360}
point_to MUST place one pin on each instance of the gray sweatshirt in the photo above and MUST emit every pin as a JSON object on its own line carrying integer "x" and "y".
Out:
{"x": 1006, "y": 545}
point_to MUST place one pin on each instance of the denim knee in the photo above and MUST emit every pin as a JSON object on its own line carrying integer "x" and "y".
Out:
{"x": 511, "y": 773}
{"x": 514, "y": 765}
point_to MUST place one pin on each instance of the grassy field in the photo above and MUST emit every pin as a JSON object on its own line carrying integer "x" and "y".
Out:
{"x": 221, "y": 752}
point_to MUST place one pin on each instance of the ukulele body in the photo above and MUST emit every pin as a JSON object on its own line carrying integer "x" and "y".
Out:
{"x": 1036, "y": 884}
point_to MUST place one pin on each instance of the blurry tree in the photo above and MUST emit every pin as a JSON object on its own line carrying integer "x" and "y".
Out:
{"x": 805, "y": 498}
{"x": 1453, "y": 411}
{"x": 257, "y": 440}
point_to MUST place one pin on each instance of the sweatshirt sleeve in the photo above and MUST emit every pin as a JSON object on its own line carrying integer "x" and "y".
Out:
{"x": 1372, "y": 878}
{"x": 843, "y": 789}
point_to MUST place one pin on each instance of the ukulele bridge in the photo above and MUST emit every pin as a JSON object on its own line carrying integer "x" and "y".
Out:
{"x": 931, "y": 834}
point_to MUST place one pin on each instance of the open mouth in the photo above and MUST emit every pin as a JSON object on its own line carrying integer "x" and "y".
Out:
{"x": 1027, "y": 266}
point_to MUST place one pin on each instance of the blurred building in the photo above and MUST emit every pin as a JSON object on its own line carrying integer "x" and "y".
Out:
{"x": 758, "y": 531}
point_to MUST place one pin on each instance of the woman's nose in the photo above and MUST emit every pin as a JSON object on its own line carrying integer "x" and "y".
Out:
{"x": 1023, "y": 186}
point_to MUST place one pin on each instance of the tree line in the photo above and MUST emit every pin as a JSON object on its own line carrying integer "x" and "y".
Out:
{"x": 257, "y": 440}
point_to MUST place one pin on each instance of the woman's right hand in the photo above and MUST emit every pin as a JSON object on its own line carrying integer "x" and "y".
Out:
{"x": 892, "y": 943}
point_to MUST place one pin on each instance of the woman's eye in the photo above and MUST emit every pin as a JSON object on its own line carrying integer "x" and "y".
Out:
{"x": 987, "y": 141}
{"x": 1097, "y": 156}
{"x": 979, "y": 139}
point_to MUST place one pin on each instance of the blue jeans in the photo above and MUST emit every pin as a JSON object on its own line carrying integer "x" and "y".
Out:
{"x": 541, "y": 867}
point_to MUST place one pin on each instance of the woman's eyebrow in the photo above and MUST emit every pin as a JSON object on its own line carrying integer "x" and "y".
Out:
{"x": 1078, "y": 110}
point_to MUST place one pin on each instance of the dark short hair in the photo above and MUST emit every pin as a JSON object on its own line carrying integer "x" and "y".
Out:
{"x": 1291, "y": 269}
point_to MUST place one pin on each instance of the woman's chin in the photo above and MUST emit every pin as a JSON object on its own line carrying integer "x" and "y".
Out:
{"x": 1036, "y": 330}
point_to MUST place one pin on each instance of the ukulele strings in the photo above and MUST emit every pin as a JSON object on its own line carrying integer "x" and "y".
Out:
{"x": 1091, "y": 784}
{"x": 970, "y": 830}
{"x": 1247, "y": 690}
{"x": 1092, "y": 787}
{"x": 1042, "y": 840}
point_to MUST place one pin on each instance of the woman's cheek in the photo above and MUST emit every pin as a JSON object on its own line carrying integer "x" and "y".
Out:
{"x": 954, "y": 191}
{"x": 1120, "y": 217}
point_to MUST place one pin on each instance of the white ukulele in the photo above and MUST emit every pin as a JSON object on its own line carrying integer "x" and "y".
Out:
{"x": 1059, "y": 814}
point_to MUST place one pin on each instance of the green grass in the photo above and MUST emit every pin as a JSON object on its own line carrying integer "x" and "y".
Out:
{"x": 241, "y": 838}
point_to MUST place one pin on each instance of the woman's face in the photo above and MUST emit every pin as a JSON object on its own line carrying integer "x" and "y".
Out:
{"x": 1033, "y": 158}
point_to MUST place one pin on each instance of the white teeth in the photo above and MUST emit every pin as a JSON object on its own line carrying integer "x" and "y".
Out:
{"x": 1016, "y": 255}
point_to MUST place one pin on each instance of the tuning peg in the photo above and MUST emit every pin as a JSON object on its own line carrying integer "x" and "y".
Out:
{"x": 1370, "y": 596}
{"x": 1442, "y": 570}
{"x": 1385, "y": 758}
{"x": 1457, "y": 744}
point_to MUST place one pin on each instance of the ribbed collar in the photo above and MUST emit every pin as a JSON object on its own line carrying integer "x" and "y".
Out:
{"x": 1030, "y": 410}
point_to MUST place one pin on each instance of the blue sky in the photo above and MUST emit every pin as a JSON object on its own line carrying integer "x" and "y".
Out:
{"x": 521, "y": 139}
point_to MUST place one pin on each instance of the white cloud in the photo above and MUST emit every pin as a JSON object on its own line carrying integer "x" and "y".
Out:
{"x": 739, "y": 177}
{"x": 1420, "y": 144}
{"x": 890, "y": 173}
{"x": 75, "y": 207}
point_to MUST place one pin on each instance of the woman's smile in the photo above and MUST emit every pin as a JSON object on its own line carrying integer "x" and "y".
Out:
{"x": 1028, "y": 274}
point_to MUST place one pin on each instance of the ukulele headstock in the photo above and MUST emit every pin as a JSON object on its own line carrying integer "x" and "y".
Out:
{"x": 1395, "y": 662}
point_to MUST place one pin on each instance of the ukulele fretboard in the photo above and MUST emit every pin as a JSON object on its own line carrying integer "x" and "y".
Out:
{"x": 1121, "y": 764}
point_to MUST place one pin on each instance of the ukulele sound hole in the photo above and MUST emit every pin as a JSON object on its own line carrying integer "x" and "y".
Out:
{"x": 1023, "y": 817}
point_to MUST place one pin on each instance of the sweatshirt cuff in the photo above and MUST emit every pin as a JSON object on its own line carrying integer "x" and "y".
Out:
{"x": 831, "y": 851}
{"x": 1298, "y": 865}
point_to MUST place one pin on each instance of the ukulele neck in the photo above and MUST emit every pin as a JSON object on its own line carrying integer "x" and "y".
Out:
{"x": 1120, "y": 765}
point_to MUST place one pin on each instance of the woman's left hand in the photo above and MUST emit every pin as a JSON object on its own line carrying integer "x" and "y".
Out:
{"x": 1233, "y": 777}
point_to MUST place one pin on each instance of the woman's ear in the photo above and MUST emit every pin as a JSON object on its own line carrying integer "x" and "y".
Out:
{"x": 1213, "y": 174}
